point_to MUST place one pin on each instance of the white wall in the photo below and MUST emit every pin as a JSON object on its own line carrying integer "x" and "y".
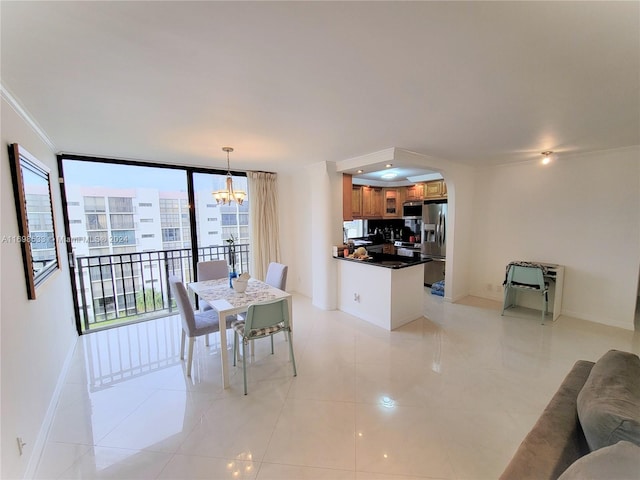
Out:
{"x": 581, "y": 211}
{"x": 294, "y": 200}
{"x": 37, "y": 336}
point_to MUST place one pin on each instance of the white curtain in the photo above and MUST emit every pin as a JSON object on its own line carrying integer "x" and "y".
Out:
{"x": 263, "y": 222}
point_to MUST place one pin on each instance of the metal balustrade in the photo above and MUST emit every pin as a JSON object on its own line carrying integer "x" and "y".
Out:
{"x": 118, "y": 289}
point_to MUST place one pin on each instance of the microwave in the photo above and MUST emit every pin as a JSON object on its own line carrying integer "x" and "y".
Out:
{"x": 412, "y": 210}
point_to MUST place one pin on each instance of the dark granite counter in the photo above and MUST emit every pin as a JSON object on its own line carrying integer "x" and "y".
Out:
{"x": 388, "y": 261}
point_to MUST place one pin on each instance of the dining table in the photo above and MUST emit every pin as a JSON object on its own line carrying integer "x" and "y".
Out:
{"x": 226, "y": 301}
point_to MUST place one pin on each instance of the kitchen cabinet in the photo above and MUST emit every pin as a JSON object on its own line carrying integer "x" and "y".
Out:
{"x": 435, "y": 189}
{"x": 356, "y": 201}
{"x": 347, "y": 197}
{"x": 392, "y": 203}
{"x": 415, "y": 192}
{"x": 372, "y": 202}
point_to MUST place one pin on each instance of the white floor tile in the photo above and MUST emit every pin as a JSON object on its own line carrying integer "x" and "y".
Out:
{"x": 449, "y": 396}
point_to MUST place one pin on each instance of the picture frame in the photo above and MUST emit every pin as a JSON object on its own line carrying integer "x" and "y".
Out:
{"x": 36, "y": 220}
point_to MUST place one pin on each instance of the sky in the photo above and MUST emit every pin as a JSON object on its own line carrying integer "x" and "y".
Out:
{"x": 94, "y": 174}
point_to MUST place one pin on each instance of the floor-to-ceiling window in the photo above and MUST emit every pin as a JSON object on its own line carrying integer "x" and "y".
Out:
{"x": 129, "y": 227}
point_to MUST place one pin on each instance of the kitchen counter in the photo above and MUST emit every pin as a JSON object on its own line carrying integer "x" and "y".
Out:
{"x": 388, "y": 261}
{"x": 386, "y": 290}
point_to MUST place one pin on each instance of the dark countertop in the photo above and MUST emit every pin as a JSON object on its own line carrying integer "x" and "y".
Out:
{"x": 388, "y": 261}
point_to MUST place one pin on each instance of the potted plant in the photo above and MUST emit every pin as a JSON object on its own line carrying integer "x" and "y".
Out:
{"x": 232, "y": 259}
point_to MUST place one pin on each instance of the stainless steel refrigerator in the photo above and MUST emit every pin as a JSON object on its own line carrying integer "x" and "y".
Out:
{"x": 434, "y": 239}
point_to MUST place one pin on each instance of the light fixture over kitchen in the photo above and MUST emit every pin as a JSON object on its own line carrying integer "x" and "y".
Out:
{"x": 389, "y": 176}
{"x": 228, "y": 195}
{"x": 547, "y": 157}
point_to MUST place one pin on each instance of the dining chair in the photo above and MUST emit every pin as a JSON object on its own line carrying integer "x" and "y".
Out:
{"x": 529, "y": 278}
{"x": 277, "y": 278}
{"x": 211, "y": 270}
{"x": 277, "y": 275}
{"x": 194, "y": 324}
{"x": 263, "y": 319}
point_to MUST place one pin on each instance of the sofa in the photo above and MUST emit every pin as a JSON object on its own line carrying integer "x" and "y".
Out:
{"x": 591, "y": 427}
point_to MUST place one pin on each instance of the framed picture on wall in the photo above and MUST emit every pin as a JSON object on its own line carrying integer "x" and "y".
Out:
{"x": 36, "y": 225}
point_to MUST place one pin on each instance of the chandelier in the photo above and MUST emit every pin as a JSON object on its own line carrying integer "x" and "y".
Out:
{"x": 228, "y": 195}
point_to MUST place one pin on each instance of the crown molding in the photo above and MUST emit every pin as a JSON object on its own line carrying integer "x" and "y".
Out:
{"x": 24, "y": 114}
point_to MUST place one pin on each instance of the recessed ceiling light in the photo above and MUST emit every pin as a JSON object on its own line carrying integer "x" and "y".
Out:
{"x": 389, "y": 176}
{"x": 389, "y": 165}
{"x": 360, "y": 171}
{"x": 547, "y": 157}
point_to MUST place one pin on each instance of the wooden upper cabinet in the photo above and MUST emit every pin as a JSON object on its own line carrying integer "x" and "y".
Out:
{"x": 347, "y": 186}
{"x": 435, "y": 189}
{"x": 372, "y": 200}
{"x": 415, "y": 192}
{"x": 356, "y": 201}
{"x": 392, "y": 203}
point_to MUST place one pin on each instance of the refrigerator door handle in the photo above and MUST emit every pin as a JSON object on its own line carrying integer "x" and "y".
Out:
{"x": 444, "y": 230}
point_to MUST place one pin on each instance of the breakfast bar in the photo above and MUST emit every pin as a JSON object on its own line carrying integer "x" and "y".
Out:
{"x": 385, "y": 290}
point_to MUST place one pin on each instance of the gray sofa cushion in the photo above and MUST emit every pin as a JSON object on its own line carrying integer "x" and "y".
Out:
{"x": 609, "y": 402}
{"x": 616, "y": 462}
{"x": 556, "y": 440}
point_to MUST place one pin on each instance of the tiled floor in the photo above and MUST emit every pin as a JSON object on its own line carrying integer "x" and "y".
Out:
{"x": 447, "y": 396}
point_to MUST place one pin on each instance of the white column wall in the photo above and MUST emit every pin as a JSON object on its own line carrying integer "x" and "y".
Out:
{"x": 294, "y": 200}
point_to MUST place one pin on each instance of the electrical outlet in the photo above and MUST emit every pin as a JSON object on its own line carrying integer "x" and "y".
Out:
{"x": 356, "y": 297}
{"x": 21, "y": 445}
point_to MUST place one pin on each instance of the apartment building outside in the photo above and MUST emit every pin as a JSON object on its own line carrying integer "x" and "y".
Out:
{"x": 107, "y": 225}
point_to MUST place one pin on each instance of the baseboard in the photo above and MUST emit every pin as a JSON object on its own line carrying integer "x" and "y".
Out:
{"x": 41, "y": 439}
{"x": 596, "y": 319}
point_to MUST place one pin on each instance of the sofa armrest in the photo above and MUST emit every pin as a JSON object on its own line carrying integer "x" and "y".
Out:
{"x": 556, "y": 440}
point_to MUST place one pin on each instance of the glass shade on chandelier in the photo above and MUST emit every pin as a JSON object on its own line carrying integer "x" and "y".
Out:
{"x": 229, "y": 195}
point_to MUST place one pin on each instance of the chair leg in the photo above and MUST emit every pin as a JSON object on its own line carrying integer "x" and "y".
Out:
{"x": 504, "y": 302}
{"x": 271, "y": 344}
{"x": 244, "y": 365}
{"x": 293, "y": 359}
{"x": 182, "y": 345}
{"x": 192, "y": 341}
{"x": 252, "y": 348}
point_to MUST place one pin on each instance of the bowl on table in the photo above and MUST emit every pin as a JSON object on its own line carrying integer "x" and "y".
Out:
{"x": 239, "y": 285}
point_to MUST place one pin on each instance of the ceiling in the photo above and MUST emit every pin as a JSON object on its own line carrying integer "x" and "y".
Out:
{"x": 293, "y": 83}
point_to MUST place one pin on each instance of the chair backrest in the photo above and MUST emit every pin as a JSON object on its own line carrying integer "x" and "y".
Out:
{"x": 266, "y": 314}
{"x": 529, "y": 276}
{"x": 277, "y": 275}
{"x": 184, "y": 305}
{"x": 212, "y": 270}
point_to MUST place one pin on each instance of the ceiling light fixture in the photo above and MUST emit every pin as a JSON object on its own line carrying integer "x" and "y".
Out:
{"x": 360, "y": 171}
{"x": 546, "y": 160}
{"x": 228, "y": 195}
{"x": 389, "y": 176}
{"x": 388, "y": 165}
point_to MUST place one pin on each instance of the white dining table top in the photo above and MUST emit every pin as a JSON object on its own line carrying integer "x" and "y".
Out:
{"x": 222, "y": 298}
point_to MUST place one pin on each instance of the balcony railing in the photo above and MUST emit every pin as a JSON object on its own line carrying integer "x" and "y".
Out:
{"x": 124, "y": 288}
